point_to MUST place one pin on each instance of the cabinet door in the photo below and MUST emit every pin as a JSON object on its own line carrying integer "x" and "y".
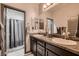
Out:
{"x": 49, "y": 53}
{"x": 33, "y": 45}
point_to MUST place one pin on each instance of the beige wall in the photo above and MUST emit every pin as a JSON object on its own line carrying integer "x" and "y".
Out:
{"x": 64, "y": 12}
{"x": 32, "y": 10}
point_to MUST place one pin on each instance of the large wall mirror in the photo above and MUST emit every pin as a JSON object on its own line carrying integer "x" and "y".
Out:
{"x": 73, "y": 26}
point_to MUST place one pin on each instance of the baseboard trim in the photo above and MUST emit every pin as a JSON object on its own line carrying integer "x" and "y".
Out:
{"x": 27, "y": 52}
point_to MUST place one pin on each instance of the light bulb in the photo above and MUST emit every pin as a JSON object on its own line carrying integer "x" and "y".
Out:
{"x": 44, "y": 6}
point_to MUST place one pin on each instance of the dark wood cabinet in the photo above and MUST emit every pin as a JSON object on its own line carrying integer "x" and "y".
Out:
{"x": 41, "y": 48}
{"x": 59, "y": 51}
{"x": 49, "y": 53}
{"x": 37, "y": 47}
{"x": 33, "y": 45}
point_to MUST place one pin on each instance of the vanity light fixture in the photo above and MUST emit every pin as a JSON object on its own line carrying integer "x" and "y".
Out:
{"x": 46, "y": 5}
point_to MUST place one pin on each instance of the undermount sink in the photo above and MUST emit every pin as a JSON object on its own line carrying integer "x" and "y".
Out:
{"x": 64, "y": 41}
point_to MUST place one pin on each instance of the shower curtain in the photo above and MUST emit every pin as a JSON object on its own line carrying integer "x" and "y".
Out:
{"x": 16, "y": 28}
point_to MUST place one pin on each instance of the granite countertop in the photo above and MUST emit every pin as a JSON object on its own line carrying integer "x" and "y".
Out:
{"x": 71, "y": 48}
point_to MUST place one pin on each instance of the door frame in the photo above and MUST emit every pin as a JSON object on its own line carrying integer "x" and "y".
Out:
{"x": 4, "y": 20}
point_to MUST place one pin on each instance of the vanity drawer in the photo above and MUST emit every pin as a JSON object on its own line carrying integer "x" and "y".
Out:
{"x": 59, "y": 51}
{"x": 40, "y": 49}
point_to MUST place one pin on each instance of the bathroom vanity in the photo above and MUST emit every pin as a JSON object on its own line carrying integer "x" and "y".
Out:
{"x": 43, "y": 46}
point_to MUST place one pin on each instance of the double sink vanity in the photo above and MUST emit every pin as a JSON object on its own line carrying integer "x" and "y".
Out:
{"x": 41, "y": 45}
{"x": 57, "y": 40}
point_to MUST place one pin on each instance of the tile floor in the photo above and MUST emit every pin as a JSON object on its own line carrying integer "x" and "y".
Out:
{"x": 19, "y": 53}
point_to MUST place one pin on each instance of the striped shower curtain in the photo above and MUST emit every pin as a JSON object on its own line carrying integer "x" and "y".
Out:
{"x": 16, "y": 31}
